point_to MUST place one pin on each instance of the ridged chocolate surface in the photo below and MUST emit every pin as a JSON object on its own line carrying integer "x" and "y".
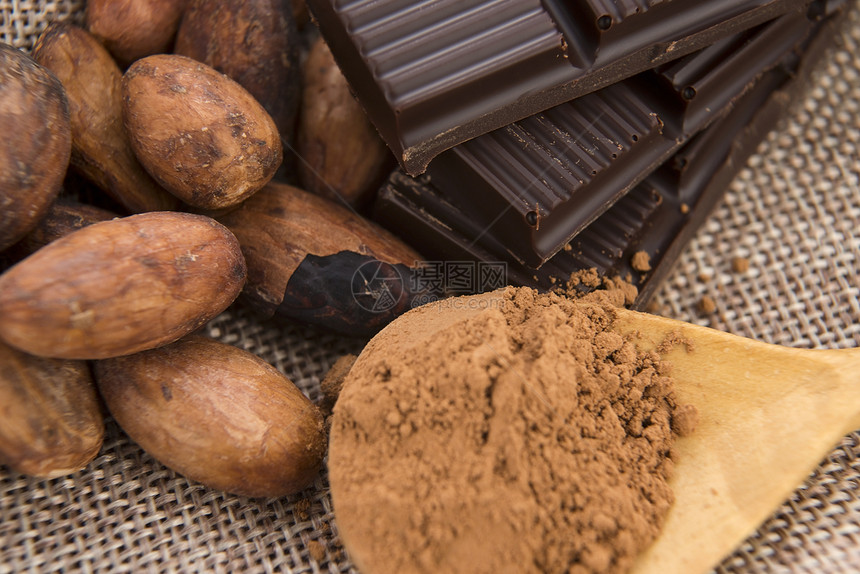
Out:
{"x": 569, "y": 145}
{"x": 604, "y": 242}
{"x": 707, "y": 80}
{"x": 419, "y": 49}
{"x": 435, "y": 73}
{"x": 615, "y": 26}
{"x": 658, "y": 216}
{"x": 414, "y": 63}
{"x": 541, "y": 180}
{"x": 662, "y": 213}
{"x": 622, "y": 9}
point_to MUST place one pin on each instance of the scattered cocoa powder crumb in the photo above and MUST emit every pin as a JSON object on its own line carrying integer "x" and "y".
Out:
{"x": 316, "y": 551}
{"x": 612, "y": 290}
{"x": 641, "y": 261}
{"x": 587, "y": 277}
{"x": 707, "y": 305}
{"x": 511, "y": 433}
{"x": 684, "y": 420}
{"x": 685, "y": 208}
{"x": 302, "y": 509}
{"x": 740, "y": 264}
{"x": 619, "y": 292}
{"x": 675, "y": 339}
{"x": 568, "y": 247}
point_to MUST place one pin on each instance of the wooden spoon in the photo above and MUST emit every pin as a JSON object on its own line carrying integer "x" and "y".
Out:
{"x": 767, "y": 416}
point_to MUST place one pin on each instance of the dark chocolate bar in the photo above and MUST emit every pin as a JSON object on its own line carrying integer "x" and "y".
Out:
{"x": 434, "y": 73}
{"x": 540, "y": 181}
{"x": 658, "y": 216}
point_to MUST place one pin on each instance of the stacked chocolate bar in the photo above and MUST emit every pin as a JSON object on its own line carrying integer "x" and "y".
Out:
{"x": 554, "y": 136}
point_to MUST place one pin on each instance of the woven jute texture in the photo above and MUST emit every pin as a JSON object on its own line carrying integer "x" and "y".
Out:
{"x": 793, "y": 213}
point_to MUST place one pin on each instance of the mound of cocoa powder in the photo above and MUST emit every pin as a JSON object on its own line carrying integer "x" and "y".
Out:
{"x": 510, "y": 432}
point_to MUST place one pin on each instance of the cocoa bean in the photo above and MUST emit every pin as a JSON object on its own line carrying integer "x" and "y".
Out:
{"x": 132, "y": 29}
{"x": 37, "y": 142}
{"x": 217, "y": 414}
{"x": 342, "y": 156}
{"x": 100, "y": 148}
{"x": 198, "y": 133}
{"x": 64, "y": 216}
{"x": 50, "y": 418}
{"x": 120, "y": 286}
{"x": 254, "y": 42}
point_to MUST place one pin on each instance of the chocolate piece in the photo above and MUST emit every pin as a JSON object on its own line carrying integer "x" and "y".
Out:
{"x": 544, "y": 178}
{"x": 435, "y": 74}
{"x": 538, "y": 182}
{"x": 658, "y": 216}
{"x": 661, "y": 214}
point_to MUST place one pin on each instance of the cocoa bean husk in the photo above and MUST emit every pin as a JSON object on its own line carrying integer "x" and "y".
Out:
{"x": 315, "y": 261}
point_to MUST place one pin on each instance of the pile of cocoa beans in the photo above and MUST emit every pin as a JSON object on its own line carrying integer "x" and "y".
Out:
{"x": 163, "y": 161}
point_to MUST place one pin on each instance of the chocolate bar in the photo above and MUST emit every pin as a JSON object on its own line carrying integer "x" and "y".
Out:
{"x": 541, "y": 180}
{"x": 433, "y": 74}
{"x": 661, "y": 214}
{"x": 658, "y": 216}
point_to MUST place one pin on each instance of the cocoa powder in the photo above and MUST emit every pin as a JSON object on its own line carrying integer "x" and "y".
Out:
{"x": 641, "y": 261}
{"x": 514, "y": 433}
{"x": 740, "y": 264}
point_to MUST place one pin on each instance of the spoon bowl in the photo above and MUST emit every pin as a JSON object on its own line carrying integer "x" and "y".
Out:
{"x": 768, "y": 415}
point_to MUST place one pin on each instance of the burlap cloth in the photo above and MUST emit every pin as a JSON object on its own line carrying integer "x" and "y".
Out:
{"x": 793, "y": 213}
